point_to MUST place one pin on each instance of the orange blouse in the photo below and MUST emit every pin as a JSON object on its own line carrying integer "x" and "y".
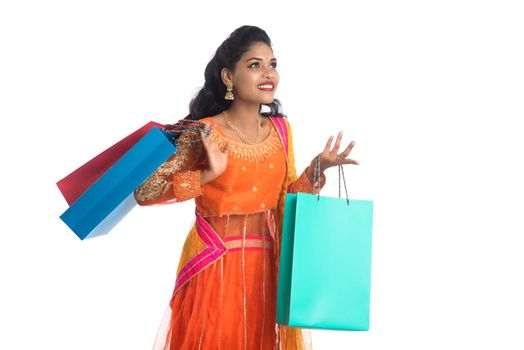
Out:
{"x": 251, "y": 183}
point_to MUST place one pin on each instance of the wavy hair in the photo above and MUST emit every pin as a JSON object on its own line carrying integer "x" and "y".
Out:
{"x": 210, "y": 99}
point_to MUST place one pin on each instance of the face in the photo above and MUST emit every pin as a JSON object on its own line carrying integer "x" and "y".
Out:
{"x": 255, "y": 68}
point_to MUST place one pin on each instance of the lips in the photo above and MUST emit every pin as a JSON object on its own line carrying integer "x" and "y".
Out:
{"x": 266, "y": 86}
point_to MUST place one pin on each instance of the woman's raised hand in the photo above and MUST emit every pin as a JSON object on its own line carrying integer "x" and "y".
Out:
{"x": 217, "y": 159}
{"x": 330, "y": 157}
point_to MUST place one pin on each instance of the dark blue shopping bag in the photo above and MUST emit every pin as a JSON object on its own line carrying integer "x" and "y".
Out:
{"x": 109, "y": 199}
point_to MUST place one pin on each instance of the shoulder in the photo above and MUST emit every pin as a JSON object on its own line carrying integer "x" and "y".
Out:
{"x": 215, "y": 119}
{"x": 208, "y": 120}
{"x": 286, "y": 121}
{"x": 282, "y": 122}
{"x": 283, "y": 118}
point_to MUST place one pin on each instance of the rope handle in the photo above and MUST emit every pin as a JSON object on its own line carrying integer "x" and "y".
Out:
{"x": 174, "y": 131}
{"x": 316, "y": 179}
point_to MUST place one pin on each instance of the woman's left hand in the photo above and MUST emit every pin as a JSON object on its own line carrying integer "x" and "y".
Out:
{"x": 330, "y": 157}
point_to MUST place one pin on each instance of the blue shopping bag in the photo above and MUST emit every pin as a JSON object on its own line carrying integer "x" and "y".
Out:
{"x": 325, "y": 263}
{"x": 111, "y": 197}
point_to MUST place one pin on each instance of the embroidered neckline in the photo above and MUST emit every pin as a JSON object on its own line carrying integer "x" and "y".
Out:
{"x": 251, "y": 153}
{"x": 242, "y": 144}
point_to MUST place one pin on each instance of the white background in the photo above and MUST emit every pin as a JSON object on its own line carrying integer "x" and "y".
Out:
{"x": 431, "y": 91}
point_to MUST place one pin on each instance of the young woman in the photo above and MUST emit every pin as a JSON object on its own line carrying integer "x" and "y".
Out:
{"x": 238, "y": 174}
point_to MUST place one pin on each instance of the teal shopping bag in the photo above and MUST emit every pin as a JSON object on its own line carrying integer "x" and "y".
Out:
{"x": 325, "y": 263}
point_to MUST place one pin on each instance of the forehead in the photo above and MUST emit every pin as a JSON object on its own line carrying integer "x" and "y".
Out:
{"x": 260, "y": 50}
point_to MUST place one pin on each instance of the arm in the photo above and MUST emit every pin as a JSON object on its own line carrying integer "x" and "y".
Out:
{"x": 303, "y": 183}
{"x": 178, "y": 178}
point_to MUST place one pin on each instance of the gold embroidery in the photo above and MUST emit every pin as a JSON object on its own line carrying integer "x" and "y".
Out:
{"x": 158, "y": 183}
{"x": 250, "y": 153}
{"x": 151, "y": 189}
{"x": 187, "y": 185}
{"x": 302, "y": 184}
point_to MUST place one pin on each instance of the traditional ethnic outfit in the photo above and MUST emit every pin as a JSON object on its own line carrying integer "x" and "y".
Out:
{"x": 225, "y": 290}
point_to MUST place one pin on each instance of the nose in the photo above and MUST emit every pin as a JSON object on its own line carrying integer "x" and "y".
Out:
{"x": 268, "y": 73}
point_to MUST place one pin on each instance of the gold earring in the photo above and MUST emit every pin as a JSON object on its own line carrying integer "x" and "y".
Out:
{"x": 229, "y": 93}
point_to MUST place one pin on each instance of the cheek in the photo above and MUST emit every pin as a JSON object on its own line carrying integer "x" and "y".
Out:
{"x": 248, "y": 83}
{"x": 276, "y": 78}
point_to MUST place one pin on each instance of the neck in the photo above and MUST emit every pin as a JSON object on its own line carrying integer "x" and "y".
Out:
{"x": 243, "y": 115}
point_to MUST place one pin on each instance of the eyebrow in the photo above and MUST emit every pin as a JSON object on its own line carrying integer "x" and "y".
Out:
{"x": 258, "y": 59}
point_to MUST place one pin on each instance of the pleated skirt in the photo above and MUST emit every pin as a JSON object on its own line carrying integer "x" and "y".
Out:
{"x": 231, "y": 304}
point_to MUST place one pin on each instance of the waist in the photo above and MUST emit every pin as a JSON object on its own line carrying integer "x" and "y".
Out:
{"x": 211, "y": 208}
{"x": 244, "y": 231}
{"x": 248, "y": 242}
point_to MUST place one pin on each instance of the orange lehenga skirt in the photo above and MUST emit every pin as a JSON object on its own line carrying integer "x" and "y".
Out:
{"x": 231, "y": 303}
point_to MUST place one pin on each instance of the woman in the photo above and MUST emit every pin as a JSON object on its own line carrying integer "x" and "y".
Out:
{"x": 238, "y": 174}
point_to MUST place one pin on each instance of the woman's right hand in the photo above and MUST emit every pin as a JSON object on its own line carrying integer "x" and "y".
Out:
{"x": 217, "y": 159}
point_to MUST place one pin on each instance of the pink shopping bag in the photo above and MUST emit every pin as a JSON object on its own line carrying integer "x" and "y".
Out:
{"x": 73, "y": 185}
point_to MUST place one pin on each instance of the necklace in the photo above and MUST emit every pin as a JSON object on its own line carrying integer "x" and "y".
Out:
{"x": 239, "y": 133}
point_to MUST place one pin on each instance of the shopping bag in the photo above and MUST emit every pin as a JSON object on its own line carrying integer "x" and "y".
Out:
{"x": 111, "y": 196}
{"x": 74, "y": 184}
{"x": 325, "y": 262}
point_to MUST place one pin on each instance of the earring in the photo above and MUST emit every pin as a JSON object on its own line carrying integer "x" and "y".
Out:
{"x": 229, "y": 93}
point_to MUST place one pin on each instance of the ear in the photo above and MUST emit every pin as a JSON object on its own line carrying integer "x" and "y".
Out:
{"x": 226, "y": 76}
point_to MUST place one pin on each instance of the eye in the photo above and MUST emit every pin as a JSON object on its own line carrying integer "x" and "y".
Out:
{"x": 274, "y": 64}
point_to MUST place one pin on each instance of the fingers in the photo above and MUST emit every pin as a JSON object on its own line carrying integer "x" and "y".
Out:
{"x": 348, "y": 149}
{"x": 226, "y": 148}
{"x": 211, "y": 145}
{"x": 333, "y": 153}
{"x": 350, "y": 161}
{"x": 328, "y": 144}
{"x": 205, "y": 140}
{"x": 337, "y": 142}
{"x": 203, "y": 135}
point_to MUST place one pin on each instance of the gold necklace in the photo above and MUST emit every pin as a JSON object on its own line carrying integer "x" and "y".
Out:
{"x": 239, "y": 133}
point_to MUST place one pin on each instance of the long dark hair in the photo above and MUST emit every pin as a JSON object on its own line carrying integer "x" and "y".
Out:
{"x": 210, "y": 99}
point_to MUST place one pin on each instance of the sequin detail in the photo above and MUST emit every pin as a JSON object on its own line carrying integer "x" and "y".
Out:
{"x": 187, "y": 185}
{"x": 151, "y": 189}
{"x": 250, "y": 153}
{"x": 159, "y": 182}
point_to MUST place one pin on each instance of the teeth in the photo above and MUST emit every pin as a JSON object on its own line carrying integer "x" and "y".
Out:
{"x": 265, "y": 86}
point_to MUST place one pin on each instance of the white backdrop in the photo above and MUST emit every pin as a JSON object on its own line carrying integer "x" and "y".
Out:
{"x": 430, "y": 91}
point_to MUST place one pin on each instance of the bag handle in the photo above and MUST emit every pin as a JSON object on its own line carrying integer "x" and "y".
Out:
{"x": 316, "y": 179}
{"x": 174, "y": 131}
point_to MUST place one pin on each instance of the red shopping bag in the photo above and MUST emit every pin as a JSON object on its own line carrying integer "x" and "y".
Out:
{"x": 73, "y": 185}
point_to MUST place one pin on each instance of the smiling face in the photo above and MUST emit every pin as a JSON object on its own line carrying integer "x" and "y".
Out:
{"x": 255, "y": 78}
